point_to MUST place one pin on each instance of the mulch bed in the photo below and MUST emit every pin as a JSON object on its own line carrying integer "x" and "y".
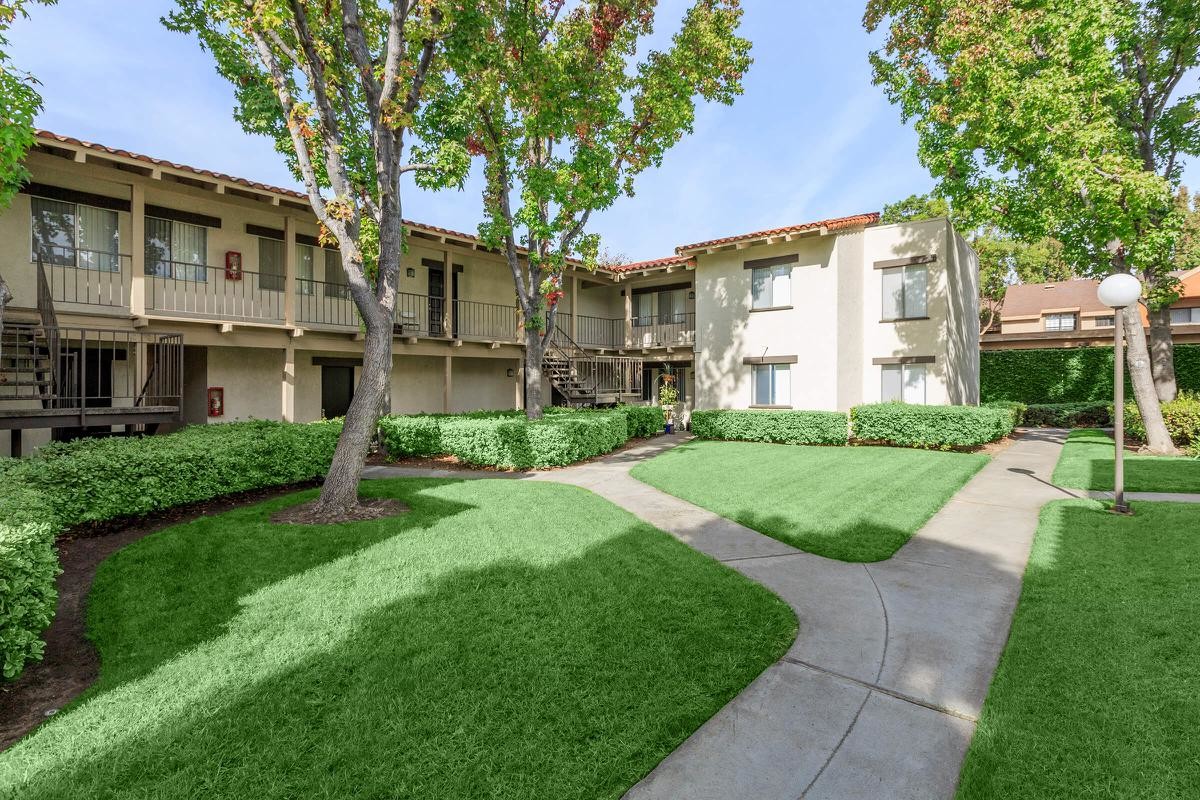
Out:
{"x": 70, "y": 664}
{"x": 367, "y": 510}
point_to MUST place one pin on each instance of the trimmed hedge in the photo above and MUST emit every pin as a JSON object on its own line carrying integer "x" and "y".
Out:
{"x": 93, "y": 480}
{"x": 28, "y": 567}
{"x": 1016, "y": 409}
{"x": 782, "y": 427}
{"x": 1063, "y": 375}
{"x": 1181, "y": 415}
{"x": 509, "y": 441}
{"x": 1068, "y": 415}
{"x": 930, "y": 427}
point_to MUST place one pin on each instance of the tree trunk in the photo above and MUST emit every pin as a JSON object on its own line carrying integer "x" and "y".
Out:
{"x": 339, "y": 495}
{"x": 1162, "y": 354}
{"x": 534, "y": 352}
{"x": 1157, "y": 438}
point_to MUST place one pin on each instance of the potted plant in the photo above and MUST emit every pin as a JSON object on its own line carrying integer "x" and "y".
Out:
{"x": 668, "y": 396}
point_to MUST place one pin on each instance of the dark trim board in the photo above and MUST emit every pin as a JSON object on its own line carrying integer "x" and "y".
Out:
{"x": 332, "y": 361}
{"x": 264, "y": 232}
{"x": 666, "y": 287}
{"x": 904, "y": 360}
{"x": 759, "y": 360}
{"x": 73, "y": 196}
{"x": 33, "y": 418}
{"x": 189, "y": 217}
{"x": 892, "y": 263}
{"x": 773, "y": 261}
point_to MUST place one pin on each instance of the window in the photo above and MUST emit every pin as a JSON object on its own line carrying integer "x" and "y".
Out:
{"x": 271, "y": 269}
{"x": 903, "y": 383}
{"x": 71, "y": 235}
{"x": 1106, "y": 322}
{"x": 1060, "y": 322}
{"x": 906, "y": 292}
{"x": 771, "y": 287}
{"x": 1185, "y": 316}
{"x": 176, "y": 250}
{"x": 643, "y": 309}
{"x": 304, "y": 269}
{"x": 336, "y": 282}
{"x": 772, "y": 384}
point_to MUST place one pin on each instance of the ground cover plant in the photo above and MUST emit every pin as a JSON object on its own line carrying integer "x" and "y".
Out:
{"x": 503, "y": 639}
{"x": 1086, "y": 462}
{"x": 1095, "y": 695}
{"x": 848, "y": 503}
{"x": 930, "y": 427}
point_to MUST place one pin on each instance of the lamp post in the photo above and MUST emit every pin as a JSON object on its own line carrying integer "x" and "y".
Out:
{"x": 1119, "y": 291}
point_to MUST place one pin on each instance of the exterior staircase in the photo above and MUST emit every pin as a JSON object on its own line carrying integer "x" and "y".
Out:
{"x": 587, "y": 380}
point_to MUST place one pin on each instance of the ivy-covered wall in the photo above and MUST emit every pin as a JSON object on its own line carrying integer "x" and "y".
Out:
{"x": 1066, "y": 375}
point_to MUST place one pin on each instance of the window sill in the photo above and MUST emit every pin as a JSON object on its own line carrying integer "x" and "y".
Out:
{"x": 902, "y": 319}
{"x": 775, "y": 408}
{"x": 771, "y": 308}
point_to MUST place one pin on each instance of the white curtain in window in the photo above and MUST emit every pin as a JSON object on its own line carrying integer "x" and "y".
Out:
{"x": 189, "y": 251}
{"x": 893, "y": 293}
{"x": 643, "y": 309}
{"x": 781, "y": 385}
{"x": 270, "y": 265}
{"x": 781, "y": 287}
{"x": 760, "y": 288}
{"x": 53, "y": 226}
{"x": 98, "y": 239}
{"x": 158, "y": 247}
{"x": 916, "y": 284}
{"x": 671, "y": 306}
{"x": 304, "y": 269}
{"x": 914, "y": 384}
{"x": 893, "y": 383}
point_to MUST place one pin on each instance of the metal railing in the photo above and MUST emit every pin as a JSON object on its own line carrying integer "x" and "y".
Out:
{"x": 194, "y": 290}
{"x": 73, "y": 367}
{"x": 325, "y": 304}
{"x": 600, "y": 331}
{"x": 488, "y": 321}
{"x": 417, "y": 316}
{"x": 85, "y": 277}
{"x": 664, "y": 330}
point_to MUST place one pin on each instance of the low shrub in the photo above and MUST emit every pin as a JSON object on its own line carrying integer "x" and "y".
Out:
{"x": 554, "y": 441}
{"x": 1181, "y": 415}
{"x": 1015, "y": 408}
{"x": 28, "y": 567}
{"x": 92, "y": 480}
{"x": 930, "y": 427}
{"x": 417, "y": 435}
{"x": 643, "y": 421}
{"x": 781, "y": 427}
{"x": 1068, "y": 415}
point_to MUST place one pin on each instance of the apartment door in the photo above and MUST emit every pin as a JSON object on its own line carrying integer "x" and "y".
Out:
{"x": 437, "y": 298}
{"x": 337, "y": 390}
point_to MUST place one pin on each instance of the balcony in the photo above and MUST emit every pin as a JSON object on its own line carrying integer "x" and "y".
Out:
{"x": 644, "y": 333}
{"x": 93, "y": 278}
{"x": 196, "y": 291}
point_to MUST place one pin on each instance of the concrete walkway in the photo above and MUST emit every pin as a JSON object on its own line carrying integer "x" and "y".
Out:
{"x": 879, "y": 695}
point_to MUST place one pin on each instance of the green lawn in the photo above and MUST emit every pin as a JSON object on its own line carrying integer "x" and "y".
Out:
{"x": 849, "y": 503}
{"x": 1096, "y": 694}
{"x": 1087, "y": 463}
{"x": 504, "y": 639}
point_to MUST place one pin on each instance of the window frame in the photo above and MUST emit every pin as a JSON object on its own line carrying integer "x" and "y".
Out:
{"x": 267, "y": 280}
{"x": 903, "y": 298}
{"x": 198, "y": 272}
{"x": 903, "y": 371}
{"x": 774, "y": 273}
{"x": 1073, "y": 316}
{"x": 1193, "y": 316}
{"x": 774, "y": 382}
{"x": 74, "y": 248}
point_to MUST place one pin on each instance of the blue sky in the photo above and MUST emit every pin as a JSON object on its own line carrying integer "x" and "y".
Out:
{"x": 810, "y": 138}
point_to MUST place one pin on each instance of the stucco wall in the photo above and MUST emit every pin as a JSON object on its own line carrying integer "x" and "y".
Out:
{"x": 252, "y": 379}
{"x": 482, "y": 384}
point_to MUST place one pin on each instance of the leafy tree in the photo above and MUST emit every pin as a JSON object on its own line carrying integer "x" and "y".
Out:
{"x": 555, "y": 101}
{"x": 340, "y": 85}
{"x": 19, "y": 104}
{"x": 1187, "y": 249}
{"x": 1053, "y": 118}
{"x": 1003, "y": 259}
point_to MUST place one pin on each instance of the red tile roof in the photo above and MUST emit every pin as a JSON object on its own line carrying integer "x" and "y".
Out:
{"x": 837, "y": 223}
{"x": 655, "y": 263}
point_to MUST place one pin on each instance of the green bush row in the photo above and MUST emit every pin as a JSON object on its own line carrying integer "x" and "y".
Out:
{"x": 1068, "y": 415}
{"x": 510, "y": 441}
{"x": 930, "y": 427}
{"x": 93, "y": 480}
{"x": 1066, "y": 375}
{"x": 1017, "y": 409}
{"x": 781, "y": 427}
{"x": 1181, "y": 415}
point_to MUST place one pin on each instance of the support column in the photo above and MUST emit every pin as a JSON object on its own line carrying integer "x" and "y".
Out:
{"x": 448, "y": 291}
{"x": 137, "y": 252}
{"x": 575, "y": 308}
{"x": 447, "y": 384}
{"x": 628, "y": 316}
{"x": 519, "y": 388}
{"x": 289, "y": 272}
{"x": 289, "y": 383}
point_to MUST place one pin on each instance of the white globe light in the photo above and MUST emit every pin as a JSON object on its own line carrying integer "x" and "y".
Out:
{"x": 1119, "y": 290}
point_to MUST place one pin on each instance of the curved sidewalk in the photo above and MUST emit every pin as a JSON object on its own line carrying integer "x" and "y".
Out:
{"x": 879, "y": 695}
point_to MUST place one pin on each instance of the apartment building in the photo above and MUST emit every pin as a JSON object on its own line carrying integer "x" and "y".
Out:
{"x": 149, "y": 294}
{"x": 1069, "y": 314}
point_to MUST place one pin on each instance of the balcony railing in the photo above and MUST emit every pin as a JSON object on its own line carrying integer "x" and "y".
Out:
{"x": 600, "y": 332}
{"x": 486, "y": 321}
{"x": 194, "y": 290}
{"x": 664, "y": 330}
{"x": 325, "y": 304}
{"x": 85, "y": 277}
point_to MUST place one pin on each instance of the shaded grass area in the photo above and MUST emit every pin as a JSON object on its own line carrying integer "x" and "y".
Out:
{"x": 1086, "y": 462}
{"x": 503, "y": 639}
{"x": 848, "y": 503}
{"x": 1095, "y": 696}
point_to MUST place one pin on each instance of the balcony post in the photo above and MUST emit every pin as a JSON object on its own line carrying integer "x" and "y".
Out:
{"x": 574, "y": 307}
{"x": 447, "y": 384}
{"x": 289, "y": 272}
{"x": 289, "y": 383}
{"x": 628, "y": 316}
{"x": 447, "y": 302}
{"x": 137, "y": 250}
